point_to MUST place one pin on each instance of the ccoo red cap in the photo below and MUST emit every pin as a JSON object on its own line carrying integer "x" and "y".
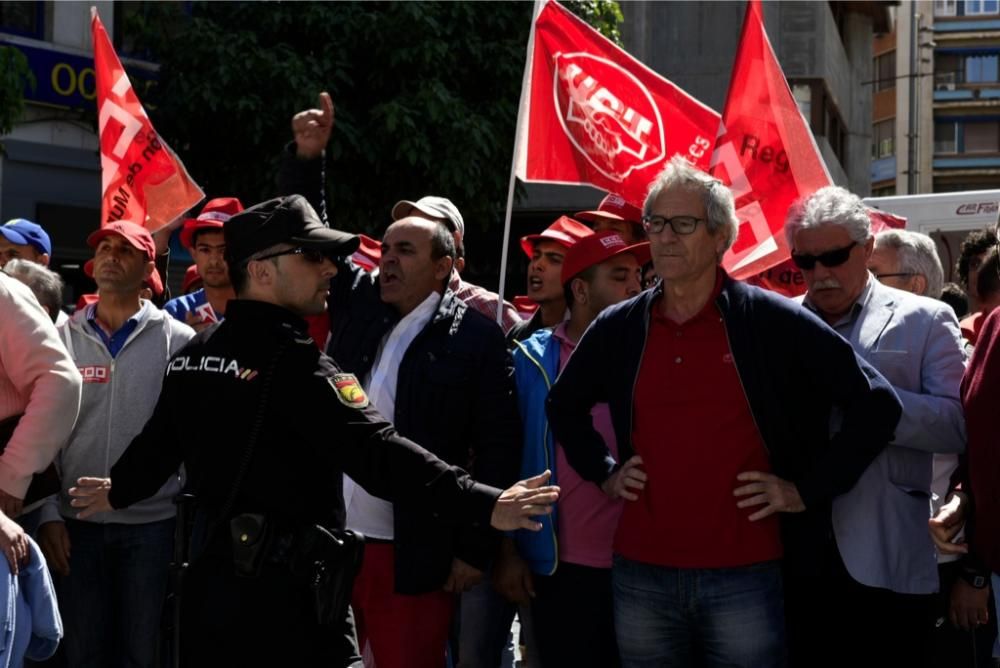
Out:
{"x": 191, "y": 278}
{"x": 137, "y": 235}
{"x": 614, "y": 207}
{"x": 598, "y": 248}
{"x": 155, "y": 283}
{"x": 565, "y": 231}
{"x": 213, "y": 215}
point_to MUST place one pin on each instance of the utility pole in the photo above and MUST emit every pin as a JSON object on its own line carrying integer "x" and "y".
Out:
{"x": 911, "y": 144}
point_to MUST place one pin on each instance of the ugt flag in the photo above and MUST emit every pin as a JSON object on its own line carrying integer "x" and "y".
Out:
{"x": 765, "y": 152}
{"x": 595, "y": 115}
{"x": 141, "y": 178}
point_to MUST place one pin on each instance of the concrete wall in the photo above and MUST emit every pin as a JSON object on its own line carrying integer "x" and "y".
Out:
{"x": 694, "y": 45}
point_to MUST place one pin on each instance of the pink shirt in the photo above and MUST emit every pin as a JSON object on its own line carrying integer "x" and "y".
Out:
{"x": 587, "y": 517}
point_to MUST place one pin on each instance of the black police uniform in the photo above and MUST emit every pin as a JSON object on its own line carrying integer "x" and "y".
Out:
{"x": 317, "y": 424}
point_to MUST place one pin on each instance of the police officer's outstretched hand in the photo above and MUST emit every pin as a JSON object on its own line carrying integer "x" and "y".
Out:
{"x": 91, "y": 494}
{"x": 526, "y": 499}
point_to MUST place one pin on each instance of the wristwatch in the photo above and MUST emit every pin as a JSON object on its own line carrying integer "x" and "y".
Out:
{"x": 974, "y": 578}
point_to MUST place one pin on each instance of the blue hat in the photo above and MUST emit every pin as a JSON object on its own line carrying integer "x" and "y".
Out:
{"x": 24, "y": 232}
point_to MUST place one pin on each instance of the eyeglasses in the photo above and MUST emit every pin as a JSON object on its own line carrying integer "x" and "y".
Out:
{"x": 895, "y": 274}
{"x": 310, "y": 255}
{"x": 679, "y": 224}
{"x": 829, "y": 259}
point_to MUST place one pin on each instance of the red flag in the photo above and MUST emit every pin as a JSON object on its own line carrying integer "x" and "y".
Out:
{"x": 595, "y": 115}
{"x": 141, "y": 178}
{"x": 765, "y": 152}
{"x": 883, "y": 220}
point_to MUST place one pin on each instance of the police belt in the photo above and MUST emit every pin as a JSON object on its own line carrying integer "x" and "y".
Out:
{"x": 323, "y": 560}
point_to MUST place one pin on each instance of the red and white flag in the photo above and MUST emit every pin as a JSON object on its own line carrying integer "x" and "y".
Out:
{"x": 595, "y": 115}
{"x": 765, "y": 152}
{"x": 141, "y": 178}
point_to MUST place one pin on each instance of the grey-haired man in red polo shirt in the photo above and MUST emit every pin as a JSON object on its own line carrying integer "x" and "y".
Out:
{"x": 704, "y": 380}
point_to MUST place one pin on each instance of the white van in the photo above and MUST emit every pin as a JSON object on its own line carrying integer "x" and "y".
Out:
{"x": 946, "y": 217}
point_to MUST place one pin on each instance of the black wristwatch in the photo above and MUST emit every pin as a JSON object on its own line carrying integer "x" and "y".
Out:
{"x": 974, "y": 578}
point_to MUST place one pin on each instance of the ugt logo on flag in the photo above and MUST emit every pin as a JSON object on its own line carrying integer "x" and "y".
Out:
{"x": 595, "y": 115}
{"x": 615, "y": 137}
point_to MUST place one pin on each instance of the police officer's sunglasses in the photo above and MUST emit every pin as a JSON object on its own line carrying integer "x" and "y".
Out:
{"x": 311, "y": 255}
{"x": 829, "y": 259}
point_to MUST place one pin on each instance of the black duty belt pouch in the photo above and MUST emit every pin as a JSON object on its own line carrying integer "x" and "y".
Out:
{"x": 326, "y": 561}
{"x": 321, "y": 560}
{"x": 251, "y": 538}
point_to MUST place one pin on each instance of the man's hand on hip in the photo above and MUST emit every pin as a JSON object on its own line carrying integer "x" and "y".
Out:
{"x": 770, "y": 491}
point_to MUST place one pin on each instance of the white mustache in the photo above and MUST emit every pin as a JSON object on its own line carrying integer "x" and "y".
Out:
{"x": 826, "y": 284}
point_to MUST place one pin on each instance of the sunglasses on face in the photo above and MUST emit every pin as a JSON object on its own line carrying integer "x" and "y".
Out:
{"x": 829, "y": 259}
{"x": 310, "y": 255}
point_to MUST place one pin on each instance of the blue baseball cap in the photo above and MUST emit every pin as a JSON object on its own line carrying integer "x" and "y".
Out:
{"x": 26, "y": 233}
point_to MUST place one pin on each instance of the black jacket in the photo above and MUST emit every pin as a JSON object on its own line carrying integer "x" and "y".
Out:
{"x": 455, "y": 396}
{"x": 309, "y": 434}
{"x": 796, "y": 373}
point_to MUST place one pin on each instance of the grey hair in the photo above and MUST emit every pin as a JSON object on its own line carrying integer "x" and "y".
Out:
{"x": 720, "y": 208}
{"x": 917, "y": 254}
{"x": 46, "y": 284}
{"x": 831, "y": 205}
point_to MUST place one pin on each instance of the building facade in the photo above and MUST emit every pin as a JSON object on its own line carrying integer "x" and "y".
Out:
{"x": 953, "y": 76}
{"x": 50, "y": 165}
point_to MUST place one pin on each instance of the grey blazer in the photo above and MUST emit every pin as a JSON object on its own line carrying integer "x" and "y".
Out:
{"x": 881, "y": 523}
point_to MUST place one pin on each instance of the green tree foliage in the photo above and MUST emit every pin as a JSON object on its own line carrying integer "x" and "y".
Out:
{"x": 14, "y": 74}
{"x": 426, "y": 97}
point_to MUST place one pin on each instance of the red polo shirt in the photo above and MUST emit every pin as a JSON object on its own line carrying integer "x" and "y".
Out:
{"x": 693, "y": 428}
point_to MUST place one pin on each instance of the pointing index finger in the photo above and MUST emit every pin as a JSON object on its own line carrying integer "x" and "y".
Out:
{"x": 326, "y": 105}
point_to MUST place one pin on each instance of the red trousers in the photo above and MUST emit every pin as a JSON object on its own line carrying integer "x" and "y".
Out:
{"x": 401, "y": 631}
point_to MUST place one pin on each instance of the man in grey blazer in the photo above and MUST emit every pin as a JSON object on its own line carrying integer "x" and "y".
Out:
{"x": 883, "y": 573}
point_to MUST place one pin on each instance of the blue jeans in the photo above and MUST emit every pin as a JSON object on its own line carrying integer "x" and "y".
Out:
{"x": 112, "y": 599}
{"x": 484, "y": 620}
{"x": 705, "y": 617}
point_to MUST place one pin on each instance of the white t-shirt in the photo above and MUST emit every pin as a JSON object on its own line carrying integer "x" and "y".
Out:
{"x": 369, "y": 514}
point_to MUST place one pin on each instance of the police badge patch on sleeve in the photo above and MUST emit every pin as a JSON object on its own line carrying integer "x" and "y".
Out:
{"x": 348, "y": 390}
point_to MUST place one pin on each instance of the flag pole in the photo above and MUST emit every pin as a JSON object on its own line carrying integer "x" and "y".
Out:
{"x": 520, "y": 138}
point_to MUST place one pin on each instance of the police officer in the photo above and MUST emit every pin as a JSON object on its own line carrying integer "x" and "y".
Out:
{"x": 287, "y": 423}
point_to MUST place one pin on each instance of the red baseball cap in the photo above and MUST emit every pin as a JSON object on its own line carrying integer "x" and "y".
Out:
{"x": 525, "y": 305}
{"x": 137, "y": 235}
{"x": 155, "y": 283}
{"x": 599, "y": 248}
{"x": 191, "y": 277}
{"x": 614, "y": 207}
{"x": 86, "y": 300}
{"x": 565, "y": 231}
{"x": 213, "y": 215}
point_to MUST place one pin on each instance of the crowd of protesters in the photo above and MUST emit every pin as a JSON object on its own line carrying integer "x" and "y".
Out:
{"x": 743, "y": 479}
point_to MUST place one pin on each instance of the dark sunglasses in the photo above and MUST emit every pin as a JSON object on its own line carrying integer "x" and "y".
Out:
{"x": 311, "y": 255}
{"x": 829, "y": 259}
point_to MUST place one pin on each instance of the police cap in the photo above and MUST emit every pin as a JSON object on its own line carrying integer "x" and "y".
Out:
{"x": 289, "y": 219}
